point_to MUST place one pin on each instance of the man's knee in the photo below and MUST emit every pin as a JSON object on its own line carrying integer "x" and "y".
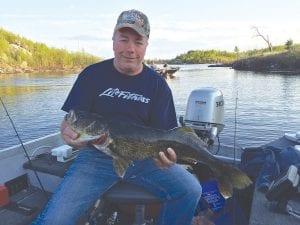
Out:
{"x": 196, "y": 189}
{"x": 193, "y": 189}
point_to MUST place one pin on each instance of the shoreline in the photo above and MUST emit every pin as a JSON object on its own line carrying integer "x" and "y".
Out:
{"x": 283, "y": 71}
{"x": 24, "y": 71}
{"x": 235, "y": 65}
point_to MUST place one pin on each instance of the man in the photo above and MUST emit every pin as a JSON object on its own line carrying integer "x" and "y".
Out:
{"x": 123, "y": 89}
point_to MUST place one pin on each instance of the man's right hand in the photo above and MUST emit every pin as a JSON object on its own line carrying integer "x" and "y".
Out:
{"x": 70, "y": 136}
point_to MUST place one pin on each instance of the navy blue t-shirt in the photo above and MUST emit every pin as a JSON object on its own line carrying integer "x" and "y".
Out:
{"x": 144, "y": 99}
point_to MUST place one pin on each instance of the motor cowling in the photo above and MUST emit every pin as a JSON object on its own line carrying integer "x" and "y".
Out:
{"x": 205, "y": 113}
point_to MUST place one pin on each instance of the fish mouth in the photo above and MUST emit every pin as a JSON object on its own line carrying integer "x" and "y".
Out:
{"x": 102, "y": 140}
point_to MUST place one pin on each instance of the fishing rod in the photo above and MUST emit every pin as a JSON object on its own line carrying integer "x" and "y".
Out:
{"x": 234, "y": 213}
{"x": 24, "y": 149}
{"x": 235, "y": 123}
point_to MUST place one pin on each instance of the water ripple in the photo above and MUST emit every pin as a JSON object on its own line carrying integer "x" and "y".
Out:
{"x": 267, "y": 104}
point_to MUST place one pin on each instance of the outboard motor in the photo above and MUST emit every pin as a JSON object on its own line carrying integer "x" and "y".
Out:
{"x": 205, "y": 113}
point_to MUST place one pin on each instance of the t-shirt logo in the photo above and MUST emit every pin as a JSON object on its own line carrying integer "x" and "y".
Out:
{"x": 116, "y": 92}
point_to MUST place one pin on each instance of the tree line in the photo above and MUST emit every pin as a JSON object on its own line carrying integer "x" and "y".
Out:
{"x": 227, "y": 57}
{"x": 19, "y": 52}
{"x": 201, "y": 56}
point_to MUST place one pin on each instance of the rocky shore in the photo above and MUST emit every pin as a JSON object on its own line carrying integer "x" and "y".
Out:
{"x": 221, "y": 65}
{"x": 284, "y": 63}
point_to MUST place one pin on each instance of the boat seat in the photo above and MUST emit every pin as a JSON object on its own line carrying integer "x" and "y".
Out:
{"x": 47, "y": 163}
{"x": 124, "y": 192}
{"x": 133, "y": 195}
{"x": 134, "y": 204}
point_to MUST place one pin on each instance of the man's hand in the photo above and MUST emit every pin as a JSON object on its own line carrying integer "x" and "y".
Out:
{"x": 164, "y": 161}
{"x": 70, "y": 136}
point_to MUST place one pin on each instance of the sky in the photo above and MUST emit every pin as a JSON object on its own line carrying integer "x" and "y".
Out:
{"x": 176, "y": 26}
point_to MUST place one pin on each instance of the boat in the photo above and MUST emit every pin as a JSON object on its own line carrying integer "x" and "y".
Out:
{"x": 25, "y": 186}
{"x": 166, "y": 71}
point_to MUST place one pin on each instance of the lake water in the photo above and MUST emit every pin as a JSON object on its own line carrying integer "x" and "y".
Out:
{"x": 266, "y": 105}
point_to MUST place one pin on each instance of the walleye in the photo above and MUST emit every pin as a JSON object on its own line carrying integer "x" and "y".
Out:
{"x": 126, "y": 143}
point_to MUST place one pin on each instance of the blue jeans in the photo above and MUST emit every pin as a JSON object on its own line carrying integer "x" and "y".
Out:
{"x": 92, "y": 173}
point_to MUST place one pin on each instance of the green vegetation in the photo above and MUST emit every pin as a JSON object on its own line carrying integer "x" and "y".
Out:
{"x": 18, "y": 54}
{"x": 287, "y": 61}
{"x": 199, "y": 56}
{"x": 225, "y": 57}
{"x": 283, "y": 58}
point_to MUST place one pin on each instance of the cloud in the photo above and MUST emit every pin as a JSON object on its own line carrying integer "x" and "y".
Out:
{"x": 171, "y": 33}
{"x": 222, "y": 35}
{"x": 84, "y": 38}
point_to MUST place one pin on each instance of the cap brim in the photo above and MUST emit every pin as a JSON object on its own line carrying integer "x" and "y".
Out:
{"x": 131, "y": 26}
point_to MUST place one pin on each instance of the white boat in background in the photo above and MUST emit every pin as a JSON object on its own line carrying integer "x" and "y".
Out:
{"x": 166, "y": 71}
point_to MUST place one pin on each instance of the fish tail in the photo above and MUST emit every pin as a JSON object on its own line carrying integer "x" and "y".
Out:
{"x": 232, "y": 177}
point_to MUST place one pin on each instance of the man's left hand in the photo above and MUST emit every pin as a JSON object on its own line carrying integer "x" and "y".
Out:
{"x": 165, "y": 160}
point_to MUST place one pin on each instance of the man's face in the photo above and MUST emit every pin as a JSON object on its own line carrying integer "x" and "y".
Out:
{"x": 129, "y": 49}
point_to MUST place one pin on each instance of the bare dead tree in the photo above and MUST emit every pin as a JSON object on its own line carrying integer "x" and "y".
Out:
{"x": 265, "y": 38}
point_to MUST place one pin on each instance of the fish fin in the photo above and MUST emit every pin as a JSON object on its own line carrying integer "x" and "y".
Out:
{"x": 232, "y": 177}
{"x": 206, "y": 172}
{"x": 99, "y": 147}
{"x": 120, "y": 165}
{"x": 186, "y": 129}
{"x": 228, "y": 176}
{"x": 225, "y": 187}
{"x": 238, "y": 178}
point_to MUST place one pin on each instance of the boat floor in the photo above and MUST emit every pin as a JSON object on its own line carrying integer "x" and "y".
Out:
{"x": 24, "y": 206}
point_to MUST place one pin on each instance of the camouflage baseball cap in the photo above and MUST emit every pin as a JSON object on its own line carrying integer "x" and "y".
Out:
{"x": 136, "y": 20}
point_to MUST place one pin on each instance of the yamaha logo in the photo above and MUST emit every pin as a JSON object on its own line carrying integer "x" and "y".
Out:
{"x": 219, "y": 104}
